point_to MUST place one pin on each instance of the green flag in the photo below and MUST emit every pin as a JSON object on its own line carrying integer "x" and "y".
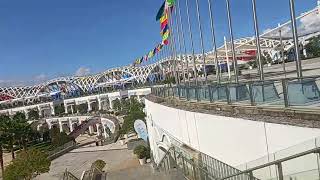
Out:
{"x": 170, "y": 3}
{"x": 160, "y": 12}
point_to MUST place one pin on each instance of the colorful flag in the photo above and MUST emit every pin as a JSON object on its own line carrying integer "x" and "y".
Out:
{"x": 164, "y": 30}
{"x": 165, "y": 42}
{"x": 164, "y": 24}
{"x": 160, "y": 12}
{"x": 166, "y": 35}
{"x": 170, "y": 3}
{"x": 137, "y": 61}
{"x": 159, "y": 47}
{"x": 150, "y": 55}
{"x": 146, "y": 57}
{"x": 155, "y": 50}
{"x": 164, "y": 16}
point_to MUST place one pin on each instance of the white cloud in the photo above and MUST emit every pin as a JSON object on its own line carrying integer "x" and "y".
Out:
{"x": 306, "y": 25}
{"x": 82, "y": 71}
{"x": 310, "y": 24}
{"x": 40, "y": 77}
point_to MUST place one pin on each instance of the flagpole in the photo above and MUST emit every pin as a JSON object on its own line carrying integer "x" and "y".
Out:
{"x": 174, "y": 44}
{"x": 295, "y": 38}
{"x": 181, "y": 33}
{"x": 201, "y": 41}
{"x": 214, "y": 44}
{"x": 192, "y": 45}
{"x": 256, "y": 29}
{"x": 235, "y": 62}
{"x": 171, "y": 37}
{"x": 179, "y": 43}
{"x": 227, "y": 57}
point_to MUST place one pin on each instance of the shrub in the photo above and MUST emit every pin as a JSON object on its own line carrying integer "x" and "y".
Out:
{"x": 99, "y": 164}
{"x": 140, "y": 151}
{"x": 27, "y": 165}
{"x": 59, "y": 138}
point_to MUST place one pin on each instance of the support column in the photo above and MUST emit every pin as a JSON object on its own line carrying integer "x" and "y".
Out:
{"x": 104, "y": 131}
{"x": 49, "y": 124}
{"x": 26, "y": 113}
{"x": 70, "y": 125}
{"x": 110, "y": 103}
{"x": 99, "y": 104}
{"x": 89, "y": 106}
{"x": 39, "y": 110}
{"x": 90, "y": 130}
{"x": 65, "y": 108}
{"x": 52, "y": 109}
{"x": 72, "y": 109}
{"x": 76, "y": 104}
{"x": 98, "y": 132}
{"x": 60, "y": 125}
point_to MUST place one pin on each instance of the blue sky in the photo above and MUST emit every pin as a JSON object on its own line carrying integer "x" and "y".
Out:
{"x": 41, "y": 39}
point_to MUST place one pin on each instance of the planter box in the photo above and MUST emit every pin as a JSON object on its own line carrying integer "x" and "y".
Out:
{"x": 122, "y": 142}
{"x": 142, "y": 161}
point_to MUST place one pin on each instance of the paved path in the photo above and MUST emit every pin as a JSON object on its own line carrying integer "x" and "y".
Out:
{"x": 77, "y": 162}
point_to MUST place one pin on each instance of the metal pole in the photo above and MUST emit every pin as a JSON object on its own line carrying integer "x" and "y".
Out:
{"x": 179, "y": 44}
{"x": 183, "y": 40}
{"x": 295, "y": 38}
{"x": 214, "y": 44}
{"x": 173, "y": 49}
{"x": 282, "y": 53}
{"x": 192, "y": 45}
{"x": 227, "y": 57}
{"x": 201, "y": 41}
{"x": 256, "y": 29}
{"x": 280, "y": 172}
{"x": 235, "y": 62}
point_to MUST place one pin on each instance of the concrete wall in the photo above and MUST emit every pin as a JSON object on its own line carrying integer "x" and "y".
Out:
{"x": 232, "y": 140}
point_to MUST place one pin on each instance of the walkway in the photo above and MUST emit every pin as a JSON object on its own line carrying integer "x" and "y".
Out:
{"x": 81, "y": 159}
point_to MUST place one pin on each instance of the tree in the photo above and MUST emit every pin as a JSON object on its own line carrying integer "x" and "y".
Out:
{"x": 27, "y": 165}
{"x": 2, "y": 140}
{"x": 116, "y": 104}
{"x": 33, "y": 115}
{"x": 8, "y": 128}
{"x": 22, "y": 131}
{"x": 313, "y": 47}
{"x": 59, "y": 110}
{"x": 82, "y": 108}
{"x": 58, "y": 138}
{"x": 135, "y": 111}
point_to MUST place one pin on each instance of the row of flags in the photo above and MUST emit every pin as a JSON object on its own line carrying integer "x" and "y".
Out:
{"x": 163, "y": 17}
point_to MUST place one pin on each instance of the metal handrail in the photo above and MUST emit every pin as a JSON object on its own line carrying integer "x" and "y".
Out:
{"x": 69, "y": 176}
{"x": 164, "y": 157}
{"x": 276, "y": 162}
{"x": 90, "y": 174}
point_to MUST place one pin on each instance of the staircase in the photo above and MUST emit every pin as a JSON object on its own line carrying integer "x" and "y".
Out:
{"x": 84, "y": 126}
{"x": 69, "y": 176}
{"x": 145, "y": 172}
{"x": 197, "y": 169}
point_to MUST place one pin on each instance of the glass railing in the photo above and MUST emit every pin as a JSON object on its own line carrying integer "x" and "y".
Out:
{"x": 297, "y": 167}
{"x": 62, "y": 148}
{"x": 299, "y": 93}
